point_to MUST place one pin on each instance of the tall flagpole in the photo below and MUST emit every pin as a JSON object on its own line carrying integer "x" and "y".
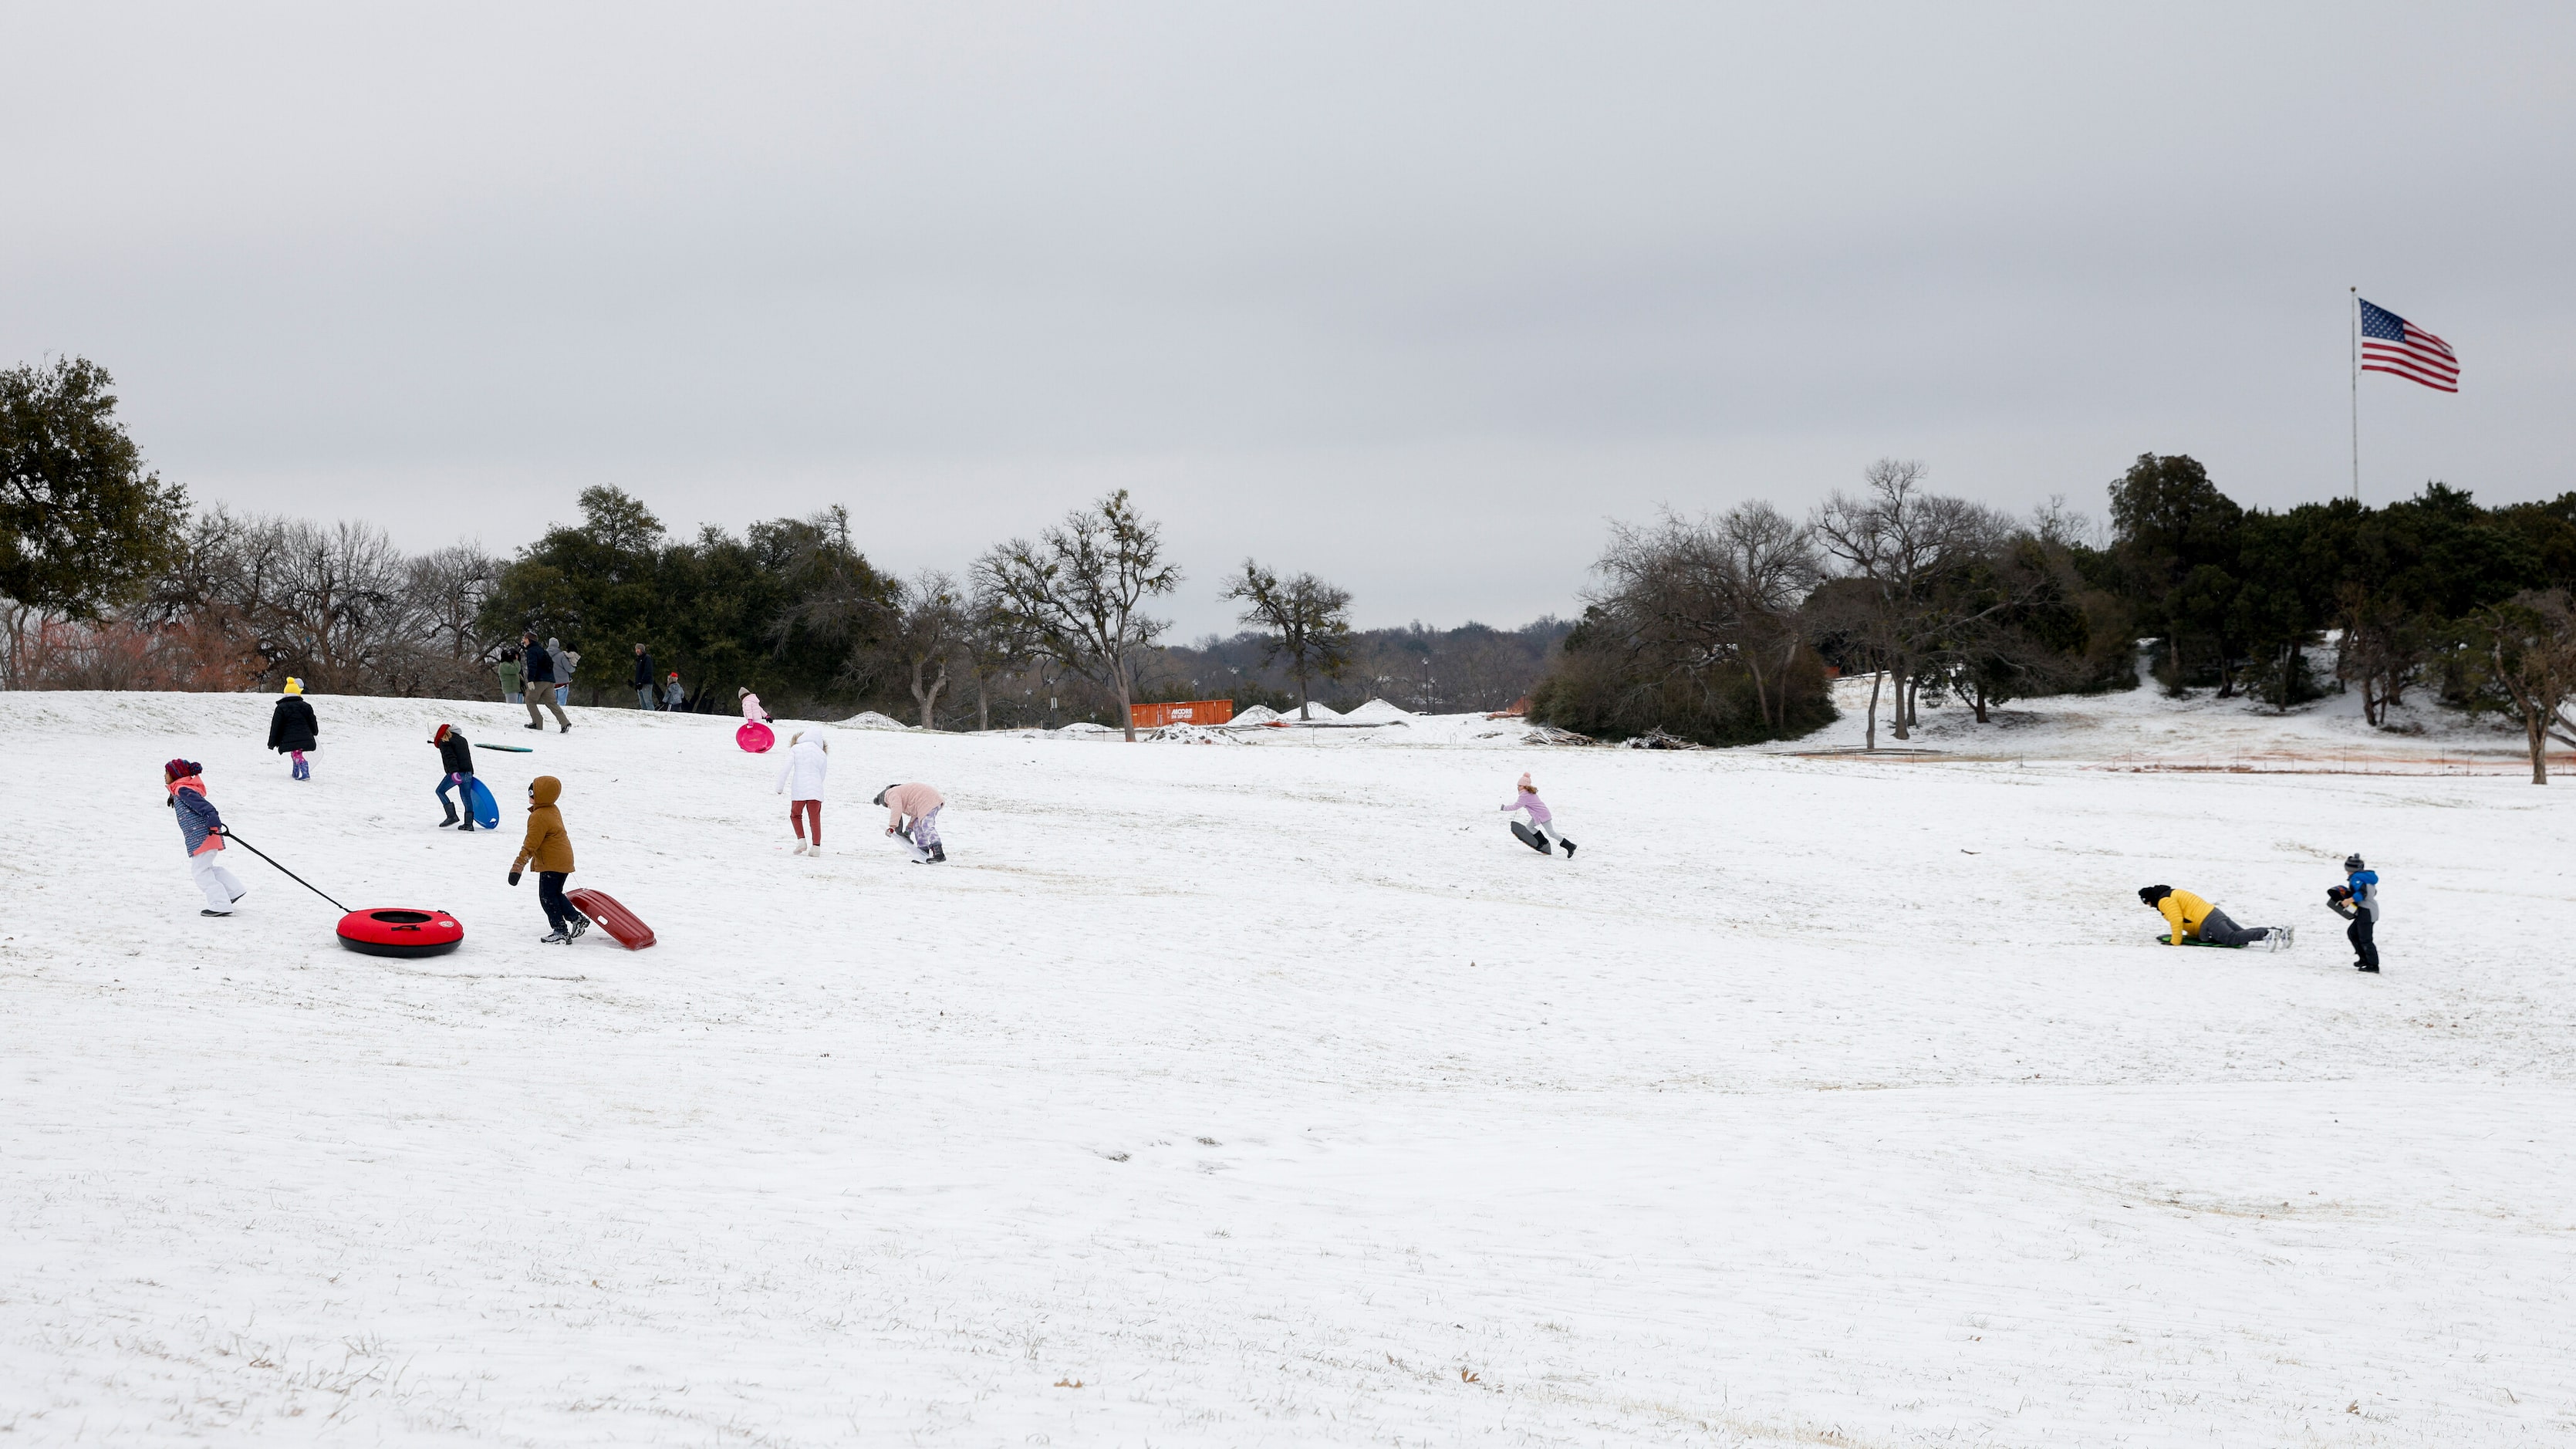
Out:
{"x": 2355, "y": 320}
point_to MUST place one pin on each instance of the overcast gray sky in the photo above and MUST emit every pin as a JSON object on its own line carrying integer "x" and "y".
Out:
{"x": 1413, "y": 296}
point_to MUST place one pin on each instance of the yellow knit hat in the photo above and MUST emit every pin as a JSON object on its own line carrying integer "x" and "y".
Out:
{"x": 294, "y": 685}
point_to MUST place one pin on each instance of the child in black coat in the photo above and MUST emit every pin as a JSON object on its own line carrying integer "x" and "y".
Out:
{"x": 456, "y": 757}
{"x": 292, "y": 729}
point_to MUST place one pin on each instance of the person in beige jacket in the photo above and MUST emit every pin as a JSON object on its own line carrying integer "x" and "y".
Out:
{"x": 921, "y": 803}
{"x": 548, "y": 847}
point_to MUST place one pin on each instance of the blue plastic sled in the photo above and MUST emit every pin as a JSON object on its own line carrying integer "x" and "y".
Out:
{"x": 480, "y": 804}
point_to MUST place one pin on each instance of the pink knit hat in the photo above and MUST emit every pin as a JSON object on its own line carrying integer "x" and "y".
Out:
{"x": 1526, "y": 787}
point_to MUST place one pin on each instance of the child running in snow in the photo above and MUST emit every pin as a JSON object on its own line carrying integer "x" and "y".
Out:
{"x": 201, "y": 828}
{"x": 922, "y": 804}
{"x": 800, "y": 779}
{"x": 293, "y": 729}
{"x": 550, "y": 849}
{"x": 1542, "y": 823}
{"x": 456, "y": 757}
{"x": 2357, "y": 901}
{"x": 2193, "y": 919}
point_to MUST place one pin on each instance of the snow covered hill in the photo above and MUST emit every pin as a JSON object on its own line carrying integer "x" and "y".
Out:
{"x": 1276, "y": 1096}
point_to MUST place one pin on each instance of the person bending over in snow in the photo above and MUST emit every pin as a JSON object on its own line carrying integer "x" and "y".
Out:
{"x": 456, "y": 757}
{"x": 751, "y": 705}
{"x": 2357, "y": 901}
{"x": 202, "y": 829}
{"x": 550, "y": 850}
{"x": 800, "y": 779}
{"x": 2194, "y": 919}
{"x": 1542, "y": 822}
{"x": 293, "y": 729}
{"x": 922, "y": 804}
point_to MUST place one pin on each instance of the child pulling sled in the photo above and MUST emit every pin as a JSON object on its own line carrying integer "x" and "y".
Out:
{"x": 549, "y": 848}
{"x": 201, "y": 828}
{"x": 1541, "y": 832}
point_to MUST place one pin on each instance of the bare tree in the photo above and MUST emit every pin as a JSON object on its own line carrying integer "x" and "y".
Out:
{"x": 995, "y": 643}
{"x": 1709, "y": 591}
{"x": 1304, "y": 619}
{"x": 2530, "y": 644}
{"x": 1079, "y": 588}
{"x": 445, "y": 588}
{"x": 928, "y": 630}
{"x": 1900, "y": 551}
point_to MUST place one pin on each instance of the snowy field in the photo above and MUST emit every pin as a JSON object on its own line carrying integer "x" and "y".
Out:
{"x": 1274, "y": 1095}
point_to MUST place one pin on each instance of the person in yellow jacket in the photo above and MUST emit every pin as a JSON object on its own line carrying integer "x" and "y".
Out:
{"x": 2189, "y": 918}
{"x": 550, "y": 849}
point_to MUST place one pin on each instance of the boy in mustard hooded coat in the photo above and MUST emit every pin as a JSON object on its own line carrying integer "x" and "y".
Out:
{"x": 2190, "y": 918}
{"x": 550, "y": 850}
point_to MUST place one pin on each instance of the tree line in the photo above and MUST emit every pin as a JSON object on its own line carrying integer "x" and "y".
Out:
{"x": 1722, "y": 628}
{"x": 1725, "y": 628}
{"x": 110, "y": 581}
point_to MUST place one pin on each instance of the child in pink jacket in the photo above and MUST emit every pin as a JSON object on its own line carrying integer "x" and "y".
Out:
{"x": 1542, "y": 822}
{"x": 922, "y": 804}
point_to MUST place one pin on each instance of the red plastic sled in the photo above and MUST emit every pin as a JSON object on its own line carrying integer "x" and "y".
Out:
{"x": 609, "y": 916}
{"x": 396, "y": 931}
{"x": 755, "y": 737}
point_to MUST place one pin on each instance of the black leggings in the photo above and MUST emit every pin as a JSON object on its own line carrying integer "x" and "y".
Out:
{"x": 550, "y": 894}
{"x": 2365, "y": 951}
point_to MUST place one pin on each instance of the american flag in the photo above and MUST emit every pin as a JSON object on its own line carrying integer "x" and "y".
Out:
{"x": 2391, "y": 344}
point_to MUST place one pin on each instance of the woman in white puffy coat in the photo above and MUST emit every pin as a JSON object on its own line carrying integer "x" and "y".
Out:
{"x": 800, "y": 779}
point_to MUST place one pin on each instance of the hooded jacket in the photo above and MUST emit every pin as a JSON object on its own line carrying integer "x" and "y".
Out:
{"x": 2184, "y": 912}
{"x": 2365, "y": 892}
{"x": 809, "y": 759}
{"x": 546, "y": 845}
{"x": 915, "y": 800}
{"x": 291, "y": 726}
{"x": 455, "y": 753}
{"x": 197, "y": 815}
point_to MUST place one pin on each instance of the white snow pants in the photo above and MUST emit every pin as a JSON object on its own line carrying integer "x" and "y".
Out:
{"x": 218, "y": 883}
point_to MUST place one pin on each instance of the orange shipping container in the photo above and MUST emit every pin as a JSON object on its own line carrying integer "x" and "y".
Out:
{"x": 1188, "y": 711}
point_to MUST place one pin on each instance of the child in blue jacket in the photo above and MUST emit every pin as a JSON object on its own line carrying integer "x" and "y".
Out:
{"x": 201, "y": 829}
{"x": 2357, "y": 901}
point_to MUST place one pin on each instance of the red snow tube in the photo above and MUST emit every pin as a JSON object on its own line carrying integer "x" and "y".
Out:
{"x": 397, "y": 931}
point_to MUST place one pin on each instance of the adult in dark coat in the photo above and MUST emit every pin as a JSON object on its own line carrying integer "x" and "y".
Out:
{"x": 292, "y": 729}
{"x": 644, "y": 683}
{"x": 541, "y": 684}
